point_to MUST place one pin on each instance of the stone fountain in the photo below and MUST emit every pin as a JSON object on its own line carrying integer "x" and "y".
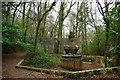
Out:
{"x": 71, "y": 60}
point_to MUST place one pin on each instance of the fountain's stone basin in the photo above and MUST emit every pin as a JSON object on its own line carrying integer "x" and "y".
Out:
{"x": 72, "y": 51}
{"x": 72, "y": 62}
{"x": 71, "y": 48}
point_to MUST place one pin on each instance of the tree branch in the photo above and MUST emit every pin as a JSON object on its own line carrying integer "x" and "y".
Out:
{"x": 108, "y": 4}
{"x": 53, "y": 4}
{"x": 100, "y": 8}
{"x": 68, "y": 10}
{"x": 15, "y": 12}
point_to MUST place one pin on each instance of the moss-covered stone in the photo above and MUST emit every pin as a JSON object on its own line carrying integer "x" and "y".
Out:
{"x": 103, "y": 71}
{"x": 115, "y": 70}
{"x": 85, "y": 74}
{"x": 118, "y": 69}
{"x": 109, "y": 71}
{"x": 97, "y": 72}
{"x": 90, "y": 73}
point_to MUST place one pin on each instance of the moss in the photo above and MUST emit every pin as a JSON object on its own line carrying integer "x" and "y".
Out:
{"x": 109, "y": 71}
{"x": 118, "y": 69}
{"x": 90, "y": 73}
{"x": 97, "y": 72}
{"x": 115, "y": 70}
{"x": 75, "y": 76}
{"x": 103, "y": 71}
{"x": 81, "y": 74}
{"x": 85, "y": 74}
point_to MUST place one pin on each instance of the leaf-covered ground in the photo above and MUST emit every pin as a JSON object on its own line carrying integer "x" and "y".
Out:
{"x": 9, "y": 71}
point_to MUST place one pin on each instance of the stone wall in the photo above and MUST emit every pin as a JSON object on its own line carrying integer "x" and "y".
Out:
{"x": 50, "y": 42}
{"x": 100, "y": 60}
{"x": 94, "y": 59}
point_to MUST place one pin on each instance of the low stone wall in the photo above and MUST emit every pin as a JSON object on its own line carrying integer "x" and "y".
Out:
{"x": 73, "y": 74}
{"x": 93, "y": 59}
{"x": 100, "y": 60}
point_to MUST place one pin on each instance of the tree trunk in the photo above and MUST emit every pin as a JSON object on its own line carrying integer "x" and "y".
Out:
{"x": 26, "y": 26}
{"x": 39, "y": 21}
{"x": 8, "y": 13}
{"x": 76, "y": 32}
{"x": 61, "y": 16}
{"x": 15, "y": 12}
{"x": 23, "y": 18}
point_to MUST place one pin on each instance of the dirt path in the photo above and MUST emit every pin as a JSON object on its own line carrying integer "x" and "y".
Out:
{"x": 9, "y": 71}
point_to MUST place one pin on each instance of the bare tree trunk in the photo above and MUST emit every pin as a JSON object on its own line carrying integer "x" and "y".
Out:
{"x": 23, "y": 17}
{"x": 61, "y": 16}
{"x": 100, "y": 8}
{"x": 40, "y": 20}
{"x": 26, "y": 26}
{"x": 44, "y": 20}
{"x": 76, "y": 32}
{"x": 15, "y": 12}
{"x": 8, "y": 13}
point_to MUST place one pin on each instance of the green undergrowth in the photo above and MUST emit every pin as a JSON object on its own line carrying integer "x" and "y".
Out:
{"x": 11, "y": 37}
{"x": 40, "y": 59}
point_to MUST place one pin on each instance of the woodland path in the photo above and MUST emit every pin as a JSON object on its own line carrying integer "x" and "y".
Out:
{"x": 9, "y": 71}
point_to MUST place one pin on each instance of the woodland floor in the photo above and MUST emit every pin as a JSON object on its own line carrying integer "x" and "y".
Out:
{"x": 9, "y": 71}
